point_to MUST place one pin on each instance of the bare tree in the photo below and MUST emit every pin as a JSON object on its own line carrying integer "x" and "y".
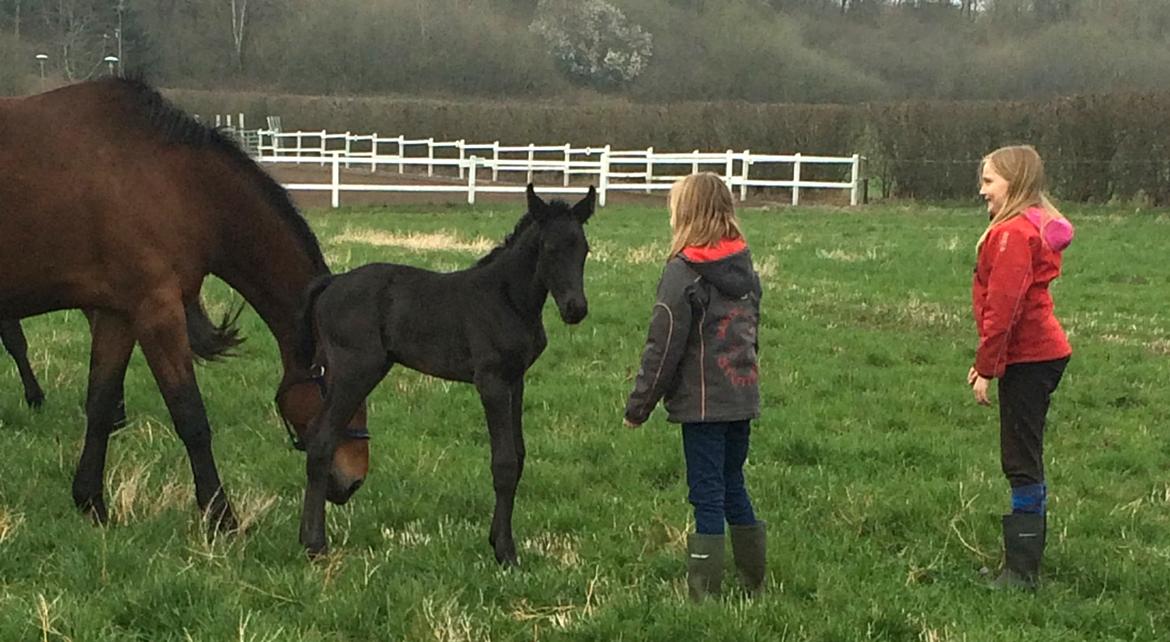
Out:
{"x": 239, "y": 26}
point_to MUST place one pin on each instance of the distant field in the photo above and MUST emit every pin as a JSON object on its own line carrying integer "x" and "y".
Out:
{"x": 878, "y": 475}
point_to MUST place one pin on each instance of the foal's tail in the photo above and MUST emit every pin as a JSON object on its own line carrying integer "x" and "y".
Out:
{"x": 306, "y": 342}
{"x": 209, "y": 341}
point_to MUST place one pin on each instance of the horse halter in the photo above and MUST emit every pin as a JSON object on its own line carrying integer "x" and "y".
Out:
{"x": 317, "y": 376}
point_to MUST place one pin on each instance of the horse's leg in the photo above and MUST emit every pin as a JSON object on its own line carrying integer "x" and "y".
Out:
{"x": 496, "y": 395}
{"x": 161, "y": 330}
{"x": 109, "y": 353}
{"x": 349, "y": 378}
{"x": 119, "y": 417}
{"x": 13, "y": 338}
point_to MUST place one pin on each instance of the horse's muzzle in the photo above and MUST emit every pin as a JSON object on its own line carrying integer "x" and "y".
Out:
{"x": 340, "y": 492}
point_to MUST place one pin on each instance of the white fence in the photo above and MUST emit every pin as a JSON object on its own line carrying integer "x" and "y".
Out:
{"x": 612, "y": 170}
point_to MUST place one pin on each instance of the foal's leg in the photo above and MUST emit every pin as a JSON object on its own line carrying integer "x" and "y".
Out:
{"x": 497, "y": 396}
{"x": 350, "y": 376}
{"x": 161, "y": 329}
{"x": 13, "y": 338}
{"x": 109, "y": 353}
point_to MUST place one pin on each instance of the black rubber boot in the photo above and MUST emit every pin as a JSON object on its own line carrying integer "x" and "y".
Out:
{"x": 1024, "y": 536}
{"x": 749, "y": 547}
{"x": 704, "y": 565}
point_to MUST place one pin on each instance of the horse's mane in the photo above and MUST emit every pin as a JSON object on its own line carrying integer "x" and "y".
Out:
{"x": 555, "y": 208}
{"x": 174, "y": 126}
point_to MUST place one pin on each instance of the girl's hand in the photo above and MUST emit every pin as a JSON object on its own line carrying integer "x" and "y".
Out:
{"x": 971, "y": 375}
{"x": 979, "y": 387}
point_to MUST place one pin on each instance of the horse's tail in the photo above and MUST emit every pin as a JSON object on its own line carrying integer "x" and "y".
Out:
{"x": 306, "y": 342}
{"x": 211, "y": 341}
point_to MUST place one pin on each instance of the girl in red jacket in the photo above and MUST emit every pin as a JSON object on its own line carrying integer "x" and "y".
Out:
{"x": 1020, "y": 341}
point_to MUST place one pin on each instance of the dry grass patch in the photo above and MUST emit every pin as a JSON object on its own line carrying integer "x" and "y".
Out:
{"x": 416, "y": 241}
{"x": 558, "y": 547}
{"x": 9, "y": 523}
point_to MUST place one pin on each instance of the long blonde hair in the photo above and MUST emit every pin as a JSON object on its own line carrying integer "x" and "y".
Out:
{"x": 1022, "y": 168}
{"x": 702, "y": 212}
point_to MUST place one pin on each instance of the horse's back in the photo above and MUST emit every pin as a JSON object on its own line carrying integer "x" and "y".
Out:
{"x": 97, "y": 204}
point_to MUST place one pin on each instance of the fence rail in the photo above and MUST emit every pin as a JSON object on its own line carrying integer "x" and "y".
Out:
{"x": 640, "y": 170}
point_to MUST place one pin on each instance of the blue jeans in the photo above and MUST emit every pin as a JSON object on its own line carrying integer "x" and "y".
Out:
{"x": 715, "y": 453}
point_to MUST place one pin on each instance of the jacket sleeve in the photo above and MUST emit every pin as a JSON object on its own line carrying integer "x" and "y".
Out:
{"x": 670, "y": 325}
{"x": 1007, "y": 283}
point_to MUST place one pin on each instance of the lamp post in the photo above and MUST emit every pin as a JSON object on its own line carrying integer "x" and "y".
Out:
{"x": 110, "y": 62}
{"x": 41, "y": 58}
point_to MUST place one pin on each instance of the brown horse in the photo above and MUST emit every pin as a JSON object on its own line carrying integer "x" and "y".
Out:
{"x": 115, "y": 201}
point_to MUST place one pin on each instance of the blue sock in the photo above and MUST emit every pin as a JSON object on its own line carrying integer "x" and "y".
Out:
{"x": 1032, "y": 498}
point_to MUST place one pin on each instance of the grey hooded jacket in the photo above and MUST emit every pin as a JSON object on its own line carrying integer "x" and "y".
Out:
{"x": 701, "y": 350}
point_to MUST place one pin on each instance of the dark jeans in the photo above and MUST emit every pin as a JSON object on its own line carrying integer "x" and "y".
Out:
{"x": 1024, "y": 392}
{"x": 715, "y": 454}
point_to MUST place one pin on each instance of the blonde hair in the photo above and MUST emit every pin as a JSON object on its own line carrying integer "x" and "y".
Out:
{"x": 1022, "y": 168}
{"x": 702, "y": 212}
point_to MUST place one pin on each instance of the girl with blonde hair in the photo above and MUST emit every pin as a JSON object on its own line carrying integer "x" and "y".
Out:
{"x": 1021, "y": 343}
{"x": 700, "y": 356}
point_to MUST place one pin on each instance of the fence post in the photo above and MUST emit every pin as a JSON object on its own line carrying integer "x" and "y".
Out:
{"x": 854, "y": 182}
{"x": 649, "y": 167}
{"x": 324, "y": 139}
{"x": 495, "y": 161}
{"x": 462, "y": 152}
{"x": 430, "y": 157}
{"x": 531, "y": 157}
{"x": 796, "y": 180}
{"x": 374, "y": 153}
{"x": 568, "y": 156}
{"x": 240, "y": 120}
{"x": 401, "y": 151}
{"x": 471, "y": 180}
{"x": 743, "y": 186}
{"x": 299, "y": 144}
{"x": 729, "y": 167}
{"x": 603, "y": 178}
{"x": 695, "y": 165}
{"x": 348, "y": 150}
{"x": 336, "y": 200}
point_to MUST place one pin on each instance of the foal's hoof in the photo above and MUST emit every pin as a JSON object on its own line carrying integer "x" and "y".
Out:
{"x": 317, "y": 550}
{"x": 221, "y": 521}
{"x": 35, "y": 400}
{"x": 95, "y": 510}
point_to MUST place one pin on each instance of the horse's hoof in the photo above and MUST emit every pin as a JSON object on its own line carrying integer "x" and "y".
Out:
{"x": 35, "y": 401}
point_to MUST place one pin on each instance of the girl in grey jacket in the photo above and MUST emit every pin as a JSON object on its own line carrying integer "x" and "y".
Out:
{"x": 700, "y": 356}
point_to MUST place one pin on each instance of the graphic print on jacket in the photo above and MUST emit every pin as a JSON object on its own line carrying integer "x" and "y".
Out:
{"x": 700, "y": 352}
{"x": 737, "y": 347}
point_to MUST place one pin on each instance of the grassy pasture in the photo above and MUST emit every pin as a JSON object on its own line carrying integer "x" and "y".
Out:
{"x": 877, "y": 473}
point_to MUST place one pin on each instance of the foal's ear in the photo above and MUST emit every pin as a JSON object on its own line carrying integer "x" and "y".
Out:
{"x": 536, "y": 206}
{"x": 584, "y": 208}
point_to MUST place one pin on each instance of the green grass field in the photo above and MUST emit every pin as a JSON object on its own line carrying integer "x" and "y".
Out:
{"x": 877, "y": 473}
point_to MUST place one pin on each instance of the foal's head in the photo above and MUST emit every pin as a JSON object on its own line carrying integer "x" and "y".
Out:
{"x": 561, "y": 264}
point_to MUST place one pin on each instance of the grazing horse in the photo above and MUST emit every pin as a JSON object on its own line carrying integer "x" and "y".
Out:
{"x": 12, "y": 336}
{"x": 114, "y": 201}
{"x": 482, "y": 325}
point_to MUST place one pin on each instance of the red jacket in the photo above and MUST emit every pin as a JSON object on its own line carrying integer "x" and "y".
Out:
{"x": 1013, "y": 307}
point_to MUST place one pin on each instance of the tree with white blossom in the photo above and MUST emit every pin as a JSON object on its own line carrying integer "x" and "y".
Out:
{"x": 593, "y": 41}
